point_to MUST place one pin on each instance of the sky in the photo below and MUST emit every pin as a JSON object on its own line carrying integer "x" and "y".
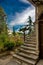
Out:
{"x": 17, "y": 12}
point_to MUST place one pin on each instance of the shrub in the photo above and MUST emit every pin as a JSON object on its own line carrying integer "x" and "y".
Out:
{"x": 19, "y": 43}
{"x": 9, "y": 45}
{"x": 2, "y": 50}
{"x": 18, "y": 40}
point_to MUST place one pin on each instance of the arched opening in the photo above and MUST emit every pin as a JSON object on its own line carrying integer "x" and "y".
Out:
{"x": 41, "y": 35}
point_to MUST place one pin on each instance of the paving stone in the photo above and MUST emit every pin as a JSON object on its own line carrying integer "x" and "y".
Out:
{"x": 40, "y": 62}
{"x": 12, "y": 63}
{"x": 8, "y": 60}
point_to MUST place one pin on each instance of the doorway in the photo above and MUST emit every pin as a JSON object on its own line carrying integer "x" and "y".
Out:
{"x": 41, "y": 36}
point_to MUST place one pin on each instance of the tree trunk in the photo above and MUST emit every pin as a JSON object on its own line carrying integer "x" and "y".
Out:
{"x": 24, "y": 35}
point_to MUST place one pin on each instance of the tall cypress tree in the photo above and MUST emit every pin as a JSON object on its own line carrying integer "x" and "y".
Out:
{"x": 30, "y": 24}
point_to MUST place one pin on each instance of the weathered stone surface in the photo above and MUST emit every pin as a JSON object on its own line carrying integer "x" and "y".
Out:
{"x": 7, "y": 60}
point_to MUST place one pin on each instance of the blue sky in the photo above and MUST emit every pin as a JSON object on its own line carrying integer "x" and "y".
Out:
{"x": 17, "y": 12}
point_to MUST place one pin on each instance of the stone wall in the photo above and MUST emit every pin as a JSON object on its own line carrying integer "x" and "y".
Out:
{"x": 39, "y": 11}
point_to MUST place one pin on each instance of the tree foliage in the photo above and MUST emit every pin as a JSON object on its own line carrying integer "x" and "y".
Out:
{"x": 11, "y": 41}
{"x": 3, "y": 25}
{"x": 23, "y": 30}
{"x": 30, "y": 24}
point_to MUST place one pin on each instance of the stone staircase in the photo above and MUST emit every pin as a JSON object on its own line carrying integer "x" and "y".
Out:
{"x": 27, "y": 52}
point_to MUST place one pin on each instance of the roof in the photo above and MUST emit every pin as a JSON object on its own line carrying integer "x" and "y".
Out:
{"x": 36, "y": 2}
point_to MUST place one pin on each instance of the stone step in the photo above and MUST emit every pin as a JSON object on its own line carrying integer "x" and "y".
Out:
{"x": 31, "y": 42}
{"x": 28, "y": 48}
{"x": 28, "y": 51}
{"x": 30, "y": 38}
{"x": 33, "y": 34}
{"x": 28, "y": 56}
{"x": 29, "y": 45}
{"x": 22, "y": 59}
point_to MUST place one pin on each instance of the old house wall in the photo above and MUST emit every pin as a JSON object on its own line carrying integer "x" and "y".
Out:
{"x": 39, "y": 11}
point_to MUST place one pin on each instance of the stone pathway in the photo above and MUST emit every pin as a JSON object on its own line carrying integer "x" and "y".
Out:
{"x": 8, "y": 60}
{"x": 12, "y": 63}
{"x": 40, "y": 62}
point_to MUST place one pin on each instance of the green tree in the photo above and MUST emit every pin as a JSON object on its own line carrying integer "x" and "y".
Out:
{"x": 30, "y": 24}
{"x": 14, "y": 33}
{"x": 3, "y": 25}
{"x": 23, "y": 30}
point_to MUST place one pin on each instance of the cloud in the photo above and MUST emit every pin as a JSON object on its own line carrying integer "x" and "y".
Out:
{"x": 25, "y": 1}
{"x": 20, "y": 18}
